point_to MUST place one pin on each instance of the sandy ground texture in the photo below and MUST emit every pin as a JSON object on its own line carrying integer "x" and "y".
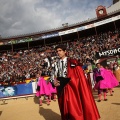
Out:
{"x": 29, "y": 109}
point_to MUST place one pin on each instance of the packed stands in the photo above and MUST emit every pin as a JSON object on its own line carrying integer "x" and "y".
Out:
{"x": 20, "y": 65}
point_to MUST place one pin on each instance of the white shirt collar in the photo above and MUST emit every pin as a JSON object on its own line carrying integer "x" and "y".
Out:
{"x": 65, "y": 59}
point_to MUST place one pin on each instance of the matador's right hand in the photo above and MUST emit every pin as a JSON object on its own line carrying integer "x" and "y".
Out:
{"x": 56, "y": 83}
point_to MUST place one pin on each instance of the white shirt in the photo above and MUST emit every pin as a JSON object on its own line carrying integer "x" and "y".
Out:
{"x": 64, "y": 61}
{"x": 58, "y": 68}
{"x": 62, "y": 72}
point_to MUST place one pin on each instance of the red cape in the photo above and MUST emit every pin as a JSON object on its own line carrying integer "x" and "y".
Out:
{"x": 76, "y": 101}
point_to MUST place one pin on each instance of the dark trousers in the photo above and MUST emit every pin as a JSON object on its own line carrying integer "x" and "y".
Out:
{"x": 101, "y": 90}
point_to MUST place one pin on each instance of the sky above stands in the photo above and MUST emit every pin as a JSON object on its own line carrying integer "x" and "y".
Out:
{"x": 27, "y": 16}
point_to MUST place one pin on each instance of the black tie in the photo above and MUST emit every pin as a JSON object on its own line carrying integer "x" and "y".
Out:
{"x": 62, "y": 68}
{"x": 62, "y": 65}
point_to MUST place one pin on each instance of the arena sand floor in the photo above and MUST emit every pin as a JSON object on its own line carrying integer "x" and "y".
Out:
{"x": 22, "y": 109}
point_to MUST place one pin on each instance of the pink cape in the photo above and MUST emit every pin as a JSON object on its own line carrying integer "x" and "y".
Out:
{"x": 44, "y": 87}
{"x": 52, "y": 90}
{"x": 109, "y": 80}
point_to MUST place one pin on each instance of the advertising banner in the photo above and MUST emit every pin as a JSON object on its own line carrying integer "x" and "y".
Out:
{"x": 61, "y": 33}
{"x": 81, "y": 28}
{"x": 21, "y": 41}
{"x": 17, "y": 41}
{"x": 89, "y": 26}
{"x": 108, "y": 53}
{"x": 116, "y": 18}
{"x": 16, "y": 90}
{"x": 67, "y": 31}
{"x": 34, "y": 86}
{"x": 13, "y": 41}
{"x": 107, "y": 20}
{"x": 38, "y": 38}
{"x": 10, "y": 42}
{"x": 70, "y": 31}
{"x": 50, "y": 35}
{"x": 24, "y": 40}
{"x": 103, "y": 22}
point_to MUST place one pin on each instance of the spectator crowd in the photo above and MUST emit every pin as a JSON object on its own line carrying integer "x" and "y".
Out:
{"x": 25, "y": 64}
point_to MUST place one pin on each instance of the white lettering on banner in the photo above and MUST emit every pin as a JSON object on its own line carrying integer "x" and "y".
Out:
{"x": 100, "y": 54}
{"x": 67, "y": 31}
{"x": 61, "y": 33}
{"x": 24, "y": 40}
{"x": 109, "y": 52}
{"x": 118, "y": 49}
{"x": 50, "y": 35}
{"x": 103, "y": 22}
{"x": 71, "y": 31}
{"x": 115, "y": 51}
{"x": 89, "y": 26}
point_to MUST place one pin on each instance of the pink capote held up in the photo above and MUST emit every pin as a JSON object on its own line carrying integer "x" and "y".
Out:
{"x": 44, "y": 87}
{"x": 109, "y": 80}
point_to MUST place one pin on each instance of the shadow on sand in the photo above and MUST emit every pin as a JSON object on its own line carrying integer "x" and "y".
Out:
{"x": 116, "y": 103}
{"x": 3, "y": 102}
{"x": 36, "y": 100}
{"x": 48, "y": 114}
{"x": 0, "y": 113}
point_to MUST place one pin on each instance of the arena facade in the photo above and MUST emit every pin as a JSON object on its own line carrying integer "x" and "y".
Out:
{"x": 104, "y": 22}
